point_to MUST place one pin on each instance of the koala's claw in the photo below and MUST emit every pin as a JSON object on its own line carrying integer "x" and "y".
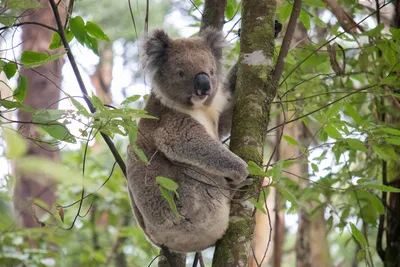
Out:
{"x": 247, "y": 182}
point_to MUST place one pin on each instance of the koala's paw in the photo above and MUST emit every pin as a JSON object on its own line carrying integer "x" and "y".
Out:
{"x": 239, "y": 173}
{"x": 249, "y": 181}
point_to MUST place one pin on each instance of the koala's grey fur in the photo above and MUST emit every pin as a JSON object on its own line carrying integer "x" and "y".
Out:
{"x": 184, "y": 145}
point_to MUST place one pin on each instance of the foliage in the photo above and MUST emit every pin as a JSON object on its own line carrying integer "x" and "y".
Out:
{"x": 339, "y": 92}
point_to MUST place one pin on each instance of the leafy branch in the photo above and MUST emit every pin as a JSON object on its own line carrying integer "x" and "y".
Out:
{"x": 82, "y": 86}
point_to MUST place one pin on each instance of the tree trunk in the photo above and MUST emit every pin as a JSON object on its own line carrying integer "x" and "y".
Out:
{"x": 254, "y": 94}
{"x": 213, "y": 14}
{"x": 102, "y": 76}
{"x": 43, "y": 90}
{"x": 392, "y": 251}
{"x": 312, "y": 248}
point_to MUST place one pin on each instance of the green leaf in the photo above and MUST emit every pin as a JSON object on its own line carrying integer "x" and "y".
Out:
{"x": 98, "y": 103}
{"x": 59, "y": 132}
{"x": 23, "y": 4}
{"x": 230, "y": 11}
{"x": 290, "y": 140}
{"x": 290, "y": 59}
{"x": 32, "y": 59}
{"x": 277, "y": 171}
{"x": 92, "y": 44}
{"x": 358, "y": 235}
{"x": 77, "y": 26}
{"x": 56, "y": 40}
{"x": 81, "y": 109}
{"x": 317, "y": 3}
{"x": 258, "y": 205}
{"x": 95, "y": 31}
{"x": 16, "y": 146}
{"x": 389, "y": 130}
{"x": 384, "y": 152}
{"x": 381, "y": 187}
{"x": 10, "y": 69}
{"x": 319, "y": 22}
{"x": 10, "y": 104}
{"x": 168, "y": 195}
{"x": 356, "y": 144}
{"x": 140, "y": 154}
{"x": 393, "y": 141}
{"x": 305, "y": 19}
{"x": 376, "y": 202}
{"x": 314, "y": 167}
{"x": 169, "y": 187}
{"x": 333, "y": 110}
{"x": 167, "y": 183}
{"x": 332, "y": 132}
{"x": 375, "y": 32}
{"x": 354, "y": 114}
{"x": 130, "y": 99}
{"x": 285, "y": 11}
{"x": 361, "y": 255}
{"x": 20, "y": 92}
{"x": 256, "y": 170}
{"x": 47, "y": 115}
{"x": 285, "y": 193}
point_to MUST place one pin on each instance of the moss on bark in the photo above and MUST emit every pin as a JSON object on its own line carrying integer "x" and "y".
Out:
{"x": 255, "y": 92}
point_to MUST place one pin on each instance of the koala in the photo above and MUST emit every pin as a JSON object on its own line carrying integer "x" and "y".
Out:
{"x": 193, "y": 107}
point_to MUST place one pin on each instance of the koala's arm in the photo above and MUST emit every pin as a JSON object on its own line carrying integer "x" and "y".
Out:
{"x": 229, "y": 86}
{"x": 185, "y": 141}
{"x": 225, "y": 119}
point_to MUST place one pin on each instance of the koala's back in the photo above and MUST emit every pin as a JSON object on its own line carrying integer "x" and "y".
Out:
{"x": 202, "y": 203}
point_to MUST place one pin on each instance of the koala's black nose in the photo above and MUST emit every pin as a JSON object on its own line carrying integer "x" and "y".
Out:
{"x": 202, "y": 84}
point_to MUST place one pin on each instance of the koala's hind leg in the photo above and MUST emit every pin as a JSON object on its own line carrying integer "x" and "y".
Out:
{"x": 136, "y": 212}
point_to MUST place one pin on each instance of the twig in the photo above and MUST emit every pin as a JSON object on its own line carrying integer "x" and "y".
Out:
{"x": 69, "y": 13}
{"x": 287, "y": 40}
{"x": 195, "y": 6}
{"x": 196, "y": 259}
{"x": 82, "y": 86}
{"x": 133, "y": 18}
{"x": 321, "y": 108}
{"x": 330, "y": 40}
{"x": 146, "y": 19}
{"x": 29, "y": 23}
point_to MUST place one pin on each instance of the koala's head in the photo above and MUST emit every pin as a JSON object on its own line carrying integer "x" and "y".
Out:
{"x": 184, "y": 72}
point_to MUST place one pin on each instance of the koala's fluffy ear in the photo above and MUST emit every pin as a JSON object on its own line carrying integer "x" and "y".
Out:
{"x": 215, "y": 40}
{"x": 155, "y": 50}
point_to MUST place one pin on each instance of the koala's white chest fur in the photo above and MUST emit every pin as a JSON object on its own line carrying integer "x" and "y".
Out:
{"x": 208, "y": 116}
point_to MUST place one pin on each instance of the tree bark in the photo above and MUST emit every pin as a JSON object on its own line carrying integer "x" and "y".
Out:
{"x": 102, "y": 77}
{"x": 43, "y": 90}
{"x": 254, "y": 94}
{"x": 312, "y": 248}
{"x": 390, "y": 175}
{"x": 213, "y": 14}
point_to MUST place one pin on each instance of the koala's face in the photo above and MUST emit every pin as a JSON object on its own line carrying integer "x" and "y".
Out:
{"x": 185, "y": 72}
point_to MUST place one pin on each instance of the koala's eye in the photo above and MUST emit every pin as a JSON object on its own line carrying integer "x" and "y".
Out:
{"x": 181, "y": 73}
{"x": 212, "y": 72}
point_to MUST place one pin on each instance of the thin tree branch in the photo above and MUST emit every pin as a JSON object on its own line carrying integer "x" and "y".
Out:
{"x": 347, "y": 22}
{"x": 29, "y": 23}
{"x": 82, "y": 86}
{"x": 330, "y": 40}
{"x": 287, "y": 40}
{"x": 321, "y": 108}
